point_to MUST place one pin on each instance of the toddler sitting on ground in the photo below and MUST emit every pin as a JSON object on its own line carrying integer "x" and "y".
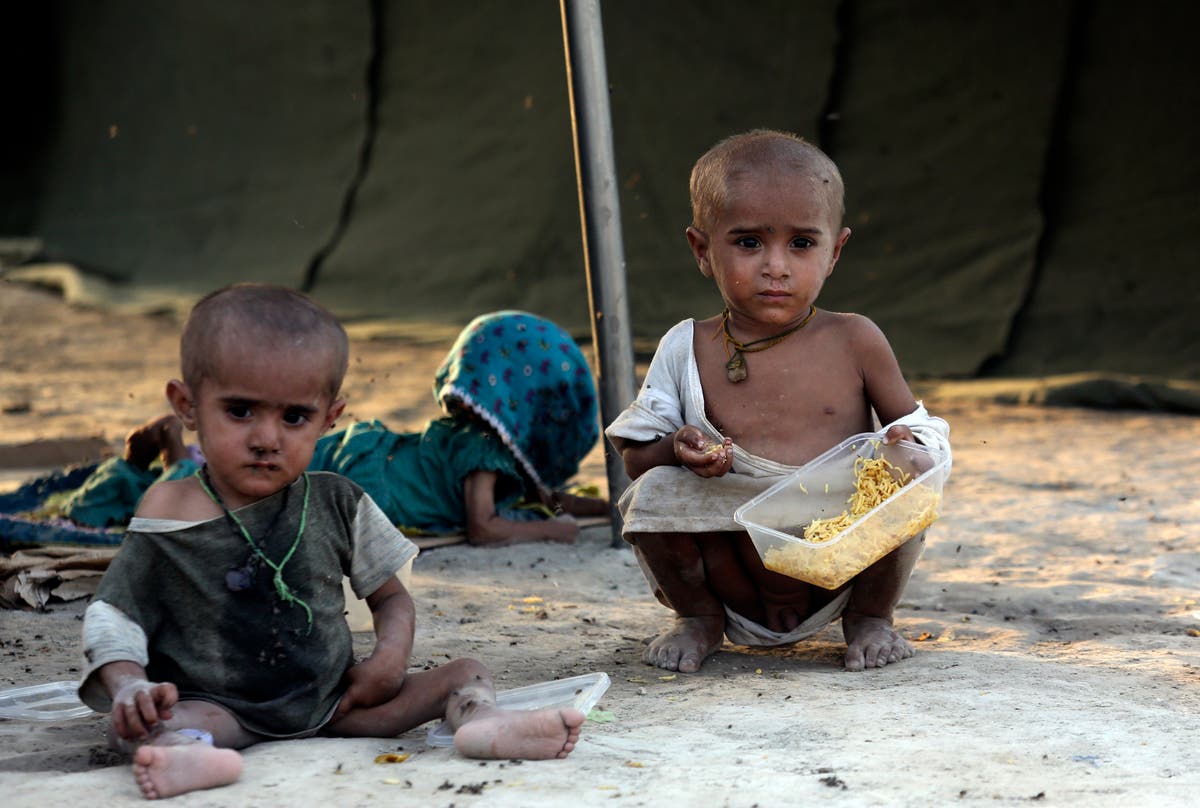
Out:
{"x": 220, "y": 622}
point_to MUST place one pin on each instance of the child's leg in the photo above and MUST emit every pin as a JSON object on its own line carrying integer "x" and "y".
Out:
{"x": 871, "y": 641}
{"x": 173, "y": 761}
{"x": 462, "y": 692}
{"x": 680, "y": 571}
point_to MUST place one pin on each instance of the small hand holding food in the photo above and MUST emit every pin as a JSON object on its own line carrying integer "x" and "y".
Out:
{"x": 700, "y": 453}
{"x": 139, "y": 706}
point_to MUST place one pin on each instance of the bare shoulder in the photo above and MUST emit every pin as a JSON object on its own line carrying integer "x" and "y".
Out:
{"x": 855, "y": 328}
{"x": 886, "y": 387}
{"x": 177, "y": 499}
{"x": 860, "y": 336}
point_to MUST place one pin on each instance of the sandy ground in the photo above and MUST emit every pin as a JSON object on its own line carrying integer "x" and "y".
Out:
{"x": 1054, "y": 613}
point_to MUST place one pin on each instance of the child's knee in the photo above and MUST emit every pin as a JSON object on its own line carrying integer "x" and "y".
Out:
{"x": 465, "y": 672}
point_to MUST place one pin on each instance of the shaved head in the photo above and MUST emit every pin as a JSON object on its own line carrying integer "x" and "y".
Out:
{"x": 250, "y": 318}
{"x": 761, "y": 152}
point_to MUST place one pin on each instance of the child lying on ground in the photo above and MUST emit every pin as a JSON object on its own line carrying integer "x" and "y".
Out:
{"x": 521, "y": 414}
{"x": 758, "y": 390}
{"x": 219, "y": 623}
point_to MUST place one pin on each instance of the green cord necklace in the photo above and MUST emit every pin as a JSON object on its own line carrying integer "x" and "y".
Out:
{"x": 281, "y": 588}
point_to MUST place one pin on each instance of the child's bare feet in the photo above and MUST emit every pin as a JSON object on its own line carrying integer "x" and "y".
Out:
{"x": 871, "y": 642}
{"x": 164, "y": 771}
{"x": 161, "y": 437}
{"x": 685, "y": 645}
{"x": 519, "y": 734}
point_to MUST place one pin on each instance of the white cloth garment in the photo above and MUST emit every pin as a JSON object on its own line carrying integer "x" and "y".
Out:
{"x": 743, "y": 631}
{"x": 671, "y": 499}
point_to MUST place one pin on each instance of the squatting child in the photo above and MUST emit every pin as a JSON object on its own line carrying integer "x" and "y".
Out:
{"x": 220, "y": 622}
{"x": 733, "y": 401}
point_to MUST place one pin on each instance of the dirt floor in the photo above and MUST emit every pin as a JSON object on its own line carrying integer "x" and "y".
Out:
{"x": 1055, "y": 615}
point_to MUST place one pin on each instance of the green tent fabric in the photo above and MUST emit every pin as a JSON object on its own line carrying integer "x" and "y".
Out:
{"x": 470, "y": 204}
{"x": 943, "y": 159}
{"x": 1021, "y": 177}
{"x": 197, "y": 144}
{"x": 684, "y": 75}
{"x": 1117, "y": 284}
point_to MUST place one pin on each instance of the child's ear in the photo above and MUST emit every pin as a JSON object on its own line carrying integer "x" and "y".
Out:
{"x": 699, "y": 244}
{"x": 183, "y": 402}
{"x": 843, "y": 236}
{"x": 335, "y": 412}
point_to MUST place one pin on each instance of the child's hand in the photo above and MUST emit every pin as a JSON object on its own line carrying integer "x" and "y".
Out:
{"x": 700, "y": 453}
{"x": 562, "y": 529}
{"x": 375, "y": 680}
{"x": 138, "y": 707}
{"x": 379, "y": 677}
{"x": 898, "y": 432}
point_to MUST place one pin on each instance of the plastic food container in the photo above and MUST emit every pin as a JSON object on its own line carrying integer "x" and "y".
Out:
{"x": 821, "y": 489}
{"x": 581, "y": 692}
{"x": 53, "y": 701}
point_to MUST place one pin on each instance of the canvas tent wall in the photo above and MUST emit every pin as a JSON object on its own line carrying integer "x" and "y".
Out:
{"x": 1021, "y": 177}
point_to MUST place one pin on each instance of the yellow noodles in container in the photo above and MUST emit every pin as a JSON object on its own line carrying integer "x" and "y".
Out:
{"x": 845, "y": 510}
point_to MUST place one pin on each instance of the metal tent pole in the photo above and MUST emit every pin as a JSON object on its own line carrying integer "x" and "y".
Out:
{"x": 600, "y": 217}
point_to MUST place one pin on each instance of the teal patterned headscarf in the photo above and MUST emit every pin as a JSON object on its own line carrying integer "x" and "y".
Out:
{"x": 526, "y": 378}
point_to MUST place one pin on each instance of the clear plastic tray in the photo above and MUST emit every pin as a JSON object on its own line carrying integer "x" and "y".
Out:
{"x": 776, "y": 518}
{"x": 53, "y": 701}
{"x": 581, "y": 692}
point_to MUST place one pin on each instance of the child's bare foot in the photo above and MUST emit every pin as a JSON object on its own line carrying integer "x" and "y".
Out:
{"x": 684, "y": 646}
{"x": 871, "y": 642}
{"x": 519, "y": 734}
{"x": 164, "y": 771}
{"x": 161, "y": 437}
